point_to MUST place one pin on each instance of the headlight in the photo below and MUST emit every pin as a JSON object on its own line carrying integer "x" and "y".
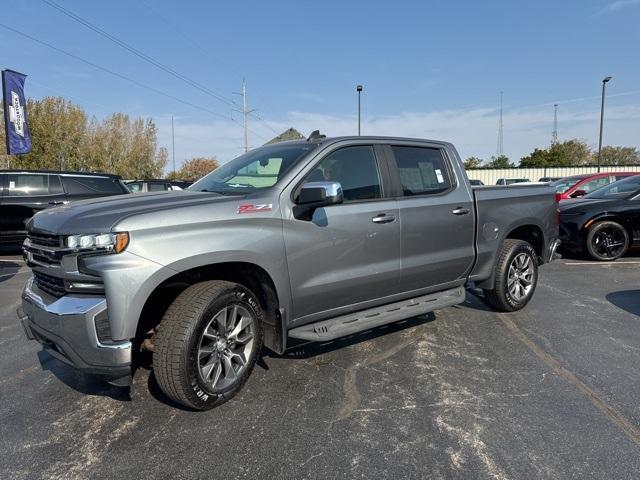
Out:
{"x": 114, "y": 242}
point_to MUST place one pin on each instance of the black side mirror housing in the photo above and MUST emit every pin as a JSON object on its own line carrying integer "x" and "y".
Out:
{"x": 578, "y": 193}
{"x": 315, "y": 195}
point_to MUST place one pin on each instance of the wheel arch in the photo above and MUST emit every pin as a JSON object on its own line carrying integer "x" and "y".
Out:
{"x": 253, "y": 276}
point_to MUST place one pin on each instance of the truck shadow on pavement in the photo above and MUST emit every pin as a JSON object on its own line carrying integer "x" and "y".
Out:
{"x": 78, "y": 381}
{"x": 8, "y": 269}
{"x": 628, "y": 300}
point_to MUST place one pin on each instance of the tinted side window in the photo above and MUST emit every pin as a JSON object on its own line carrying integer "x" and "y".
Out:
{"x": 90, "y": 185}
{"x": 355, "y": 168}
{"x": 156, "y": 187}
{"x": 55, "y": 186}
{"x": 22, "y": 185}
{"x": 422, "y": 170}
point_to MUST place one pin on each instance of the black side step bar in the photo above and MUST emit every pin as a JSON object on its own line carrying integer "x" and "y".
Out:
{"x": 374, "y": 317}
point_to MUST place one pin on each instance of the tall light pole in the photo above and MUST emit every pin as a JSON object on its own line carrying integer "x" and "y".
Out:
{"x": 173, "y": 146}
{"x": 359, "y": 89}
{"x": 605, "y": 80}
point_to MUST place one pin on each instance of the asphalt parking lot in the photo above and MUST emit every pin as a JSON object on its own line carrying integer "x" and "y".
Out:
{"x": 549, "y": 392}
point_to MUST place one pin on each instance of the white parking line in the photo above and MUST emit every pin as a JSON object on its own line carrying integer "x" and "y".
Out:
{"x": 603, "y": 263}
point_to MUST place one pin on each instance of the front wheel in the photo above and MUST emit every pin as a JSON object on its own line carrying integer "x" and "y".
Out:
{"x": 516, "y": 277}
{"x": 607, "y": 241}
{"x": 207, "y": 343}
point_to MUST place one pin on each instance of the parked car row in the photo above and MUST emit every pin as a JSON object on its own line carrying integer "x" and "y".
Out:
{"x": 24, "y": 193}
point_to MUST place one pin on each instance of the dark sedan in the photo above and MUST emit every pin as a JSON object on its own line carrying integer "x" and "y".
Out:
{"x": 604, "y": 223}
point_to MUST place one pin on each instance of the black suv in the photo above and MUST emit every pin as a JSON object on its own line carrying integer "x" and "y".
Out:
{"x": 23, "y": 193}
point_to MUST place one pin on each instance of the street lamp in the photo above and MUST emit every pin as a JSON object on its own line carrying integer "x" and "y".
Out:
{"x": 359, "y": 89}
{"x": 604, "y": 84}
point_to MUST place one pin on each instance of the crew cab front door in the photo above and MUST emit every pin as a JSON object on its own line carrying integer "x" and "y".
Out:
{"x": 348, "y": 255}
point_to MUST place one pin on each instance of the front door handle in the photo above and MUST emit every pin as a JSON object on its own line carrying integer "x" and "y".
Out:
{"x": 460, "y": 211}
{"x": 58, "y": 202}
{"x": 383, "y": 218}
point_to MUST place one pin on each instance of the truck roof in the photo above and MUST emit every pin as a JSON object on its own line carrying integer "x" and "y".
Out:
{"x": 61, "y": 172}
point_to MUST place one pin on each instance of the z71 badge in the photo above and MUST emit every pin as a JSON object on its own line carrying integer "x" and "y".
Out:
{"x": 250, "y": 208}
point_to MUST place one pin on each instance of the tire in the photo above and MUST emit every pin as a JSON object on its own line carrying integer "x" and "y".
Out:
{"x": 197, "y": 361}
{"x": 516, "y": 277}
{"x": 607, "y": 241}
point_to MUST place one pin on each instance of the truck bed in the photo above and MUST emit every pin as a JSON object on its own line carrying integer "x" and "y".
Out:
{"x": 500, "y": 210}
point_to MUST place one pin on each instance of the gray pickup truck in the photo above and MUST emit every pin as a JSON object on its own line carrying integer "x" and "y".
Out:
{"x": 312, "y": 239}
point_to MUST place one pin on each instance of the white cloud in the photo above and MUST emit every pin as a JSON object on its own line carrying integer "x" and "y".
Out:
{"x": 473, "y": 131}
{"x": 619, "y": 5}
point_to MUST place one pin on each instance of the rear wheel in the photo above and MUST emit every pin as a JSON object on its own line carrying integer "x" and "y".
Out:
{"x": 207, "y": 343}
{"x": 516, "y": 277}
{"x": 607, "y": 241}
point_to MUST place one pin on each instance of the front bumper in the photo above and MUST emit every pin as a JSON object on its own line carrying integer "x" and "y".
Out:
{"x": 66, "y": 328}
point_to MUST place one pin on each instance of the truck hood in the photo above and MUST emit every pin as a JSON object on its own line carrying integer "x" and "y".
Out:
{"x": 101, "y": 214}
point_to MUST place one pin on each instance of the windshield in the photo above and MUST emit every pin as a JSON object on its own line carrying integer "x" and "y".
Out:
{"x": 620, "y": 189}
{"x": 565, "y": 184}
{"x": 255, "y": 170}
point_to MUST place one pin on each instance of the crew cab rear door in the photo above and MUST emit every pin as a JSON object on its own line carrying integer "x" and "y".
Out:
{"x": 347, "y": 254}
{"x": 436, "y": 216}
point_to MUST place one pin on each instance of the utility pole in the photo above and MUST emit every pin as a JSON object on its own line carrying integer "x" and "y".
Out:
{"x": 245, "y": 113}
{"x": 604, "y": 84}
{"x": 500, "y": 149}
{"x": 554, "y": 134}
{"x": 359, "y": 90}
{"x": 173, "y": 146}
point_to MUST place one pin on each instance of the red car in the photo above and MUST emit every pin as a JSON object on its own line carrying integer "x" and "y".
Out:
{"x": 579, "y": 185}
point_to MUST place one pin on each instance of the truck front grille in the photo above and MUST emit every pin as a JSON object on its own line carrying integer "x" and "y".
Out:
{"x": 43, "y": 249}
{"x": 44, "y": 239}
{"x": 52, "y": 285}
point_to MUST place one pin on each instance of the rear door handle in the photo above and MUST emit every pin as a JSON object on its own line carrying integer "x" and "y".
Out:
{"x": 58, "y": 202}
{"x": 383, "y": 218}
{"x": 460, "y": 211}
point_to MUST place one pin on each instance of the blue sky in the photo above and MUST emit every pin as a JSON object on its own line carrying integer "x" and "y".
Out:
{"x": 430, "y": 69}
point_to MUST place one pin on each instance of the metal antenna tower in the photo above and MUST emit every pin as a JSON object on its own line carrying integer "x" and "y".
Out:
{"x": 554, "y": 134}
{"x": 500, "y": 149}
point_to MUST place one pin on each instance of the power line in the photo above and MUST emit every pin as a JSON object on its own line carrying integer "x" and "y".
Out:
{"x": 115, "y": 74}
{"x": 140, "y": 54}
{"x": 202, "y": 49}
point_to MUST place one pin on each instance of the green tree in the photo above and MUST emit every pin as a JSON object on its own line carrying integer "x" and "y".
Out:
{"x": 619, "y": 156}
{"x": 537, "y": 158}
{"x": 501, "y": 161}
{"x": 472, "y": 162}
{"x": 195, "y": 168}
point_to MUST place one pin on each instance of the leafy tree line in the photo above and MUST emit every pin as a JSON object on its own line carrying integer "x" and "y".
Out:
{"x": 65, "y": 138}
{"x": 570, "y": 153}
{"x": 194, "y": 169}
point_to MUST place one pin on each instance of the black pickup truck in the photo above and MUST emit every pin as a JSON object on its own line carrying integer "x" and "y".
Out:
{"x": 25, "y": 192}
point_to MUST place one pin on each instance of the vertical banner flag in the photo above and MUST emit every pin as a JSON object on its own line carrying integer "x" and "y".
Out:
{"x": 16, "y": 127}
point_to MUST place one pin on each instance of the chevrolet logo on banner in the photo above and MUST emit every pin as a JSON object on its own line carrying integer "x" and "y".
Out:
{"x": 15, "y": 113}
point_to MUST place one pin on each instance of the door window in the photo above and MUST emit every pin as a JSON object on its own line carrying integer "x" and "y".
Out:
{"x": 22, "y": 185}
{"x": 355, "y": 168}
{"x": 422, "y": 170}
{"x": 594, "y": 184}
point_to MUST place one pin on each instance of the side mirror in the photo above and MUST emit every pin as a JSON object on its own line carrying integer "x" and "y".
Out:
{"x": 578, "y": 193}
{"x": 314, "y": 195}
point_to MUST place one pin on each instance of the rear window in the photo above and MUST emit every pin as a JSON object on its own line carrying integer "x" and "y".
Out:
{"x": 422, "y": 170}
{"x": 157, "y": 187}
{"x": 91, "y": 185}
